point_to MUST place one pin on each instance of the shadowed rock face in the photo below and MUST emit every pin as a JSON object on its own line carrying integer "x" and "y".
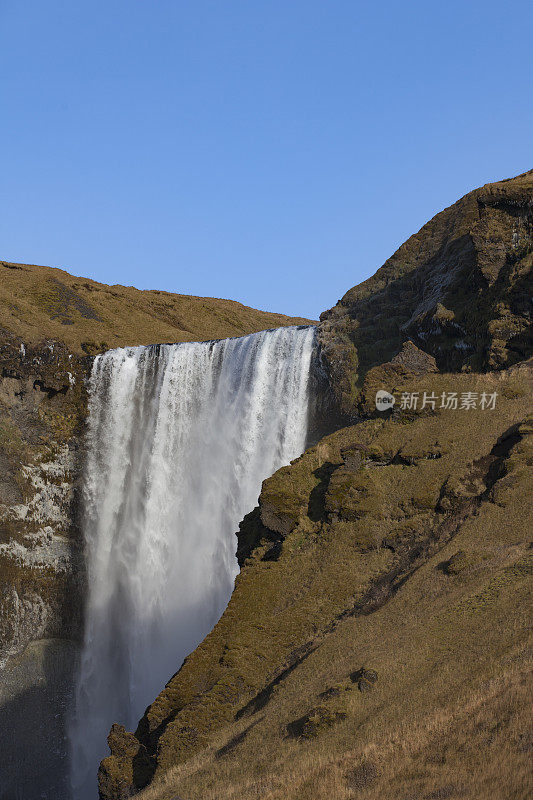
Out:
{"x": 358, "y": 523}
{"x": 460, "y": 289}
{"x": 35, "y": 701}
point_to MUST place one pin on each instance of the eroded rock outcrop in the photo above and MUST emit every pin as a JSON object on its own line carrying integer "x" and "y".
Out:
{"x": 460, "y": 289}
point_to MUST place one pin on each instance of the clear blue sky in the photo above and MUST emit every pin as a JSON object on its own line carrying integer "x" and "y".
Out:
{"x": 271, "y": 152}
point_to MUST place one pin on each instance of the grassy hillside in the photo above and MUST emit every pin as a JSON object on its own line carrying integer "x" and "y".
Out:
{"x": 43, "y": 302}
{"x": 378, "y": 641}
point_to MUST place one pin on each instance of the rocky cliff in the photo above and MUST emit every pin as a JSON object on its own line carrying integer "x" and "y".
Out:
{"x": 460, "y": 289}
{"x": 377, "y": 640}
{"x": 42, "y": 401}
{"x": 51, "y": 324}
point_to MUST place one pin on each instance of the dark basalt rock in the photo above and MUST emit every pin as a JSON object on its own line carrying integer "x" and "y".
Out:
{"x": 314, "y": 723}
{"x": 414, "y": 360}
{"x": 129, "y": 766}
{"x": 364, "y": 678}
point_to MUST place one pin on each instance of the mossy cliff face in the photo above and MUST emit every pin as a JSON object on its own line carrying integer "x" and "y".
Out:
{"x": 460, "y": 289}
{"x": 42, "y": 406}
{"x": 42, "y": 409}
{"x": 385, "y": 573}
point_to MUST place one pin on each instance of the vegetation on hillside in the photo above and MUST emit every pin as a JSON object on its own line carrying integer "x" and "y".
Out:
{"x": 373, "y": 600}
{"x": 377, "y": 643}
{"x": 39, "y": 303}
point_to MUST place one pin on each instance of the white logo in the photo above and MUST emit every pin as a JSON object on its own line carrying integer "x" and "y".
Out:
{"x": 384, "y": 400}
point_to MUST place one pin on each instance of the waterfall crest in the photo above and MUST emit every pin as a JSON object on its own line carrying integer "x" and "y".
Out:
{"x": 180, "y": 438}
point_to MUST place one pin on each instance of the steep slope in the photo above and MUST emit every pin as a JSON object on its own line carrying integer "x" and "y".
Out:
{"x": 385, "y": 581}
{"x": 39, "y": 303}
{"x": 50, "y": 325}
{"x": 460, "y": 288}
{"x": 377, "y": 642}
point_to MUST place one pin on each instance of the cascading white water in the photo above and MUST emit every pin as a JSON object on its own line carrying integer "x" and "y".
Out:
{"x": 180, "y": 438}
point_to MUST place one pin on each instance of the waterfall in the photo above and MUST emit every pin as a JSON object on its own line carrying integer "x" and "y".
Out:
{"x": 180, "y": 438}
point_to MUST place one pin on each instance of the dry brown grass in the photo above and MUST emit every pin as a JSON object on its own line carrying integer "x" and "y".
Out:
{"x": 479, "y": 747}
{"x": 450, "y": 715}
{"x": 43, "y": 302}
